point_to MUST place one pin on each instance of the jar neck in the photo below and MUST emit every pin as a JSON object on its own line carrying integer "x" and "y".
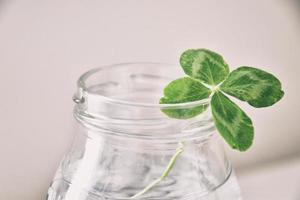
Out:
{"x": 155, "y": 128}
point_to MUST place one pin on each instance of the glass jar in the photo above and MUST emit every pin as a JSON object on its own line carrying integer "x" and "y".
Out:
{"x": 127, "y": 148}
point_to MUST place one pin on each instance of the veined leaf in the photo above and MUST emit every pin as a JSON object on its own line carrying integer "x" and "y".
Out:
{"x": 204, "y": 65}
{"x": 184, "y": 90}
{"x": 206, "y": 68}
{"x": 257, "y": 87}
{"x": 232, "y": 122}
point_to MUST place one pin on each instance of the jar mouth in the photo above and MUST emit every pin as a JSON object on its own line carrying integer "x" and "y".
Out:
{"x": 123, "y": 100}
{"x": 82, "y": 86}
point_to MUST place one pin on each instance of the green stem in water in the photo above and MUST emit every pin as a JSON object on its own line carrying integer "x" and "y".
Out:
{"x": 164, "y": 174}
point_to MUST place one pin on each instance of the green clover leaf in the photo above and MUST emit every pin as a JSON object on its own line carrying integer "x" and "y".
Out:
{"x": 232, "y": 122}
{"x": 207, "y": 69}
{"x": 184, "y": 90}
{"x": 204, "y": 65}
{"x": 257, "y": 87}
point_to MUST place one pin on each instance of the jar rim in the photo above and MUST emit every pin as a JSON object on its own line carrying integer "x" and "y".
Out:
{"x": 97, "y": 108}
{"x": 82, "y": 86}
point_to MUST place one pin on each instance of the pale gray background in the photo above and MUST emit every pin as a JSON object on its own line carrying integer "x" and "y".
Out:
{"x": 46, "y": 45}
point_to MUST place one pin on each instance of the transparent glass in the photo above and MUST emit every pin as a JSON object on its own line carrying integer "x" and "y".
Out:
{"x": 127, "y": 148}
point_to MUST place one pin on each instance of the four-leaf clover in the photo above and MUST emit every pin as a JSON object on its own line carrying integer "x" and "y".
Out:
{"x": 209, "y": 77}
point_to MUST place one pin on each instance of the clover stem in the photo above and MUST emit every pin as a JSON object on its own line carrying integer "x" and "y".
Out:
{"x": 166, "y": 172}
